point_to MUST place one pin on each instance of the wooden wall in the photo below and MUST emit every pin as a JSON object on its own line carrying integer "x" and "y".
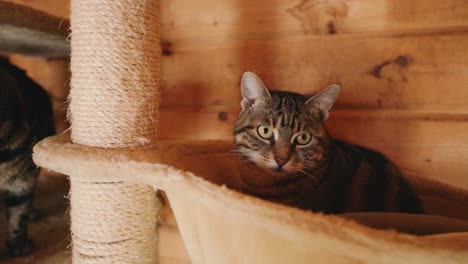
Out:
{"x": 403, "y": 66}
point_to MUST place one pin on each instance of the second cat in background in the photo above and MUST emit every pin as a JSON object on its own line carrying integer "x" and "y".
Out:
{"x": 283, "y": 135}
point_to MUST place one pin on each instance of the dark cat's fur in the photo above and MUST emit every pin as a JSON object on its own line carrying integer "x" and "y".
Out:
{"x": 299, "y": 164}
{"x": 25, "y": 118}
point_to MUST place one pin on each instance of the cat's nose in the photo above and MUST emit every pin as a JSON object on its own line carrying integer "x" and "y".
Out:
{"x": 280, "y": 161}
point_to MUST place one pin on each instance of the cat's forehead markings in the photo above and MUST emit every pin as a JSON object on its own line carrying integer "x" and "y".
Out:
{"x": 279, "y": 121}
{"x": 272, "y": 124}
{"x": 285, "y": 116}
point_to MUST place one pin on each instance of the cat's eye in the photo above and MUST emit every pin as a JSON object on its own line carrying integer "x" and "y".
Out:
{"x": 303, "y": 139}
{"x": 265, "y": 132}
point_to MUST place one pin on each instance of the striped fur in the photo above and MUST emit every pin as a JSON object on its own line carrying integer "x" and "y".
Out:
{"x": 326, "y": 175}
{"x": 26, "y": 117}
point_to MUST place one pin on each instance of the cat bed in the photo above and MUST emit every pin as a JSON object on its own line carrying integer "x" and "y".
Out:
{"x": 27, "y": 31}
{"x": 221, "y": 225}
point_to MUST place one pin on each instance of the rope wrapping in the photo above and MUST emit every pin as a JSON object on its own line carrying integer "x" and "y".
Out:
{"x": 115, "y": 82}
{"x": 114, "y": 103}
{"x": 113, "y": 222}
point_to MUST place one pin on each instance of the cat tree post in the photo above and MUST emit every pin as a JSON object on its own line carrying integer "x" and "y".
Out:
{"x": 114, "y": 104}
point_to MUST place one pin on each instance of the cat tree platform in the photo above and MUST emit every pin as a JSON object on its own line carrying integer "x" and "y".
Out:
{"x": 221, "y": 225}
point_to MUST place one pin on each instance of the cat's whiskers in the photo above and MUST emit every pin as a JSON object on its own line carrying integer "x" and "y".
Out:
{"x": 315, "y": 168}
{"x": 234, "y": 151}
{"x": 232, "y": 154}
{"x": 313, "y": 177}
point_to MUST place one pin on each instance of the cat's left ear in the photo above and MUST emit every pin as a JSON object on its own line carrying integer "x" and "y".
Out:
{"x": 324, "y": 100}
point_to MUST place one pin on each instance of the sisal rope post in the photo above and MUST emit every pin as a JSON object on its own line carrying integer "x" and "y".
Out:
{"x": 114, "y": 101}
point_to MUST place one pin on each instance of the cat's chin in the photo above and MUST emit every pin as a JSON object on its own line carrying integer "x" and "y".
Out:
{"x": 271, "y": 169}
{"x": 277, "y": 170}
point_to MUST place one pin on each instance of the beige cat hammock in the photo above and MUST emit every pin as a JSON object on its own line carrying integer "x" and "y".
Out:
{"x": 116, "y": 165}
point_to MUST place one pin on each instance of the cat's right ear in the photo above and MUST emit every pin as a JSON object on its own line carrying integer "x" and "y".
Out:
{"x": 253, "y": 90}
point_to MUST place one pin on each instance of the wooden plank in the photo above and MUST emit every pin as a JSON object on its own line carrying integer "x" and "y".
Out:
{"x": 422, "y": 144}
{"x": 60, "y": 8}
{"x": 213, "y": 22}
{"x": 433, "y": 147}
{"x": 195, "y": 125}
{"x": 428, "y": 72}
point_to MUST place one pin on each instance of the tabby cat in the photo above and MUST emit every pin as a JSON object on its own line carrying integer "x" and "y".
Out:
{"x": 25, "y": 118}
{"x": 297, "y": 163}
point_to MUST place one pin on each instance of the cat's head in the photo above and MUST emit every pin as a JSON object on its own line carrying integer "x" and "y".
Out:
{"x": 282, "y": 131}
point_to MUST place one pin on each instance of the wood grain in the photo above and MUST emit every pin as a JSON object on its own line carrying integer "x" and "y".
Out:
{"x": 213, "y": 22}
{"x": 421, "y": 144}
{"x": 188, "y": 125}
{"x": 427, "y": 72}
{"x": 58, "y": 8}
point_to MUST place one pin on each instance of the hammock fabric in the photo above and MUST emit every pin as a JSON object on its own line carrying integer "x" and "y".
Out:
{"x": 220, "y": 225}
